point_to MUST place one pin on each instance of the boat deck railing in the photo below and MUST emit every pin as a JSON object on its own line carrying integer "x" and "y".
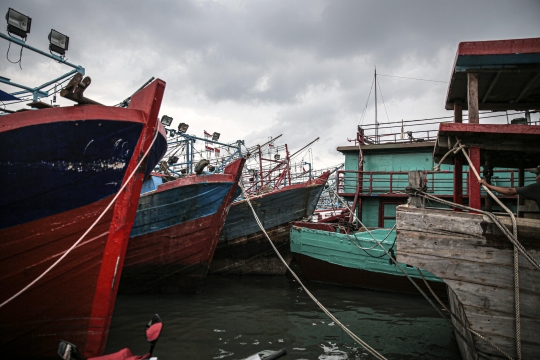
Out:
{"x": 422, "y": 130}
{"x": 393, "y": 183}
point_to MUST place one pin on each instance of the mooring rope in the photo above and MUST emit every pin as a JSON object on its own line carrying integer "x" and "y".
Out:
{"x": 87, "y": 231}
{"x": 370, "y": 248}
{"x": 427, "y": 298}
{"x": 325, "y": 310}
{"x": 515, "y": 255}
{"x": 492, "y": 217}
{"x": 460, "y": 321}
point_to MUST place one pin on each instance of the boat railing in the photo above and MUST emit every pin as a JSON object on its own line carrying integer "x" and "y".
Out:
{"x": 422, "y": 130}
{"x": 393, "y": 183}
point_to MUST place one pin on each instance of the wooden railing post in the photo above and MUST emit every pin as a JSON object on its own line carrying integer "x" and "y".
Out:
{"x": 416, "y": 181}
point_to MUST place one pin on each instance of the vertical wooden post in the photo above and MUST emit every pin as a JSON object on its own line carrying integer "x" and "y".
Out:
{"x": 458, "y": 111}
{"x": 472, "y": 98}
{"x": 475, "y": 200}
{"x": 521, "y": 182}
{"x": 458, "y": 181}
{"x": 416, "y": 180}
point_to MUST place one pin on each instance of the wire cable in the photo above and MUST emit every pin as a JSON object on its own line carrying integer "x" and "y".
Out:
{"x": 409, "y": 78}
{"x": 20, "y": 55}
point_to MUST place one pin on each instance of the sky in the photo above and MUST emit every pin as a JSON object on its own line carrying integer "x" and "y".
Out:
{"x": 252, "y": 70}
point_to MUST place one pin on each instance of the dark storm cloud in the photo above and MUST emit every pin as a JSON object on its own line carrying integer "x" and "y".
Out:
{"x": 307, "y": 65}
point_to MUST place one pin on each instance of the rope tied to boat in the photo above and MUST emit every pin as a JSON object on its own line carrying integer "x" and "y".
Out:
{"x": 513, "y": 237}
{"x": 88, "y": 230}
{"x": 515, "y": 254}
{"x": 324, "y": 309}
{"x": 419, "y": 191}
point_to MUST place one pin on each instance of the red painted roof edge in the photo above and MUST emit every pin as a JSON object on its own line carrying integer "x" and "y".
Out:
{"x": 490, "y": 128}
{"x": 498, "y": 47}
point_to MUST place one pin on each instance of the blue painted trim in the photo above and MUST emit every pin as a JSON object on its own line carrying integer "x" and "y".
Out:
{"x": 273, "y": 209}
{"x": 160, "y": 210}
{"x": 51, "y": 168}
{"x": 496, "y": 61}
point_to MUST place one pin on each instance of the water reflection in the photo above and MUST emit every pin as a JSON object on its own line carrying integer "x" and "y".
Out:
{"x": 238, "y": 316}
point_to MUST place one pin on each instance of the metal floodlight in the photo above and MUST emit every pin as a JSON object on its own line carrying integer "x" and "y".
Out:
{"x": 18, "y": 23}
{"x": 215, "y": 136}
{"x": 276, "y": 157}
{"x": 182, "y": 128}
{"x": 166, "y": 120}
{"x": 59, "y": 42}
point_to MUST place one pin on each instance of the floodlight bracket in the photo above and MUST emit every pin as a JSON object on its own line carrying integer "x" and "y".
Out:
{"x": 60, "y": 59}
{"x": 37, "y": 91}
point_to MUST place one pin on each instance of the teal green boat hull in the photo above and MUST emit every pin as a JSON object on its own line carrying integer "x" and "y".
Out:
{"x": 337, "y": 258}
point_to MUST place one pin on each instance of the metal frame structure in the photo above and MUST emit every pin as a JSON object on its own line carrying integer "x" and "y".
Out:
{"x": 183, "y": 145}
{"x": 37, "y": 92}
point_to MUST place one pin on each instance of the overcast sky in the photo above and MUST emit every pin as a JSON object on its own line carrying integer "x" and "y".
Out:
{"x": 253, "y": 69}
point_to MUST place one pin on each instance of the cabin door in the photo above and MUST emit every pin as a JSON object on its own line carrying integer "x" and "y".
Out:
{"x": 387, "y": 213}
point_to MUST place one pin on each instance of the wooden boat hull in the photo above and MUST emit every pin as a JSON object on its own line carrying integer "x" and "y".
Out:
{"x": 242, "y": 246}
{"x": 57, "y": 182}
{"x": 252, "y": 254}
{"x": 475, "y": 260}
{"x": 176, "y": 233}
{"x": 327, "y": 256}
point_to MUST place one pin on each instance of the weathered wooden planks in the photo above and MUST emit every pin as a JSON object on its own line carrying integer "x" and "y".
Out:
{"x": 475, "y": 260}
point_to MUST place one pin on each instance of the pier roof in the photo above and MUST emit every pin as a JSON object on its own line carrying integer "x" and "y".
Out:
{"x": 388, "y": 146}
{"x": 508, "y": 74}
{"x": 510, "y": 146}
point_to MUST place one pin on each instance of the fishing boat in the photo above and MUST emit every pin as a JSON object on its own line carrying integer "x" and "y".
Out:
{"x": 332, "y": 254}
{"x": 176, "y": 231}
{"x": 244, "y": 249}
{"x": 492, "y": 277}
{"x": 63, "y": 169}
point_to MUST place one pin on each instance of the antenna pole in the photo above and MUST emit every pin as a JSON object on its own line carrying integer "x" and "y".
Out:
{"x": 376, "y": 121}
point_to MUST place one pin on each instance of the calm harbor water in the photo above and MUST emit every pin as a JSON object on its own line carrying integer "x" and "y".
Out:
{"x": 238, "y": 316}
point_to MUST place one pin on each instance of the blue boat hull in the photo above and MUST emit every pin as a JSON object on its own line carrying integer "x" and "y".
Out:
{"x": 243, "y": 248}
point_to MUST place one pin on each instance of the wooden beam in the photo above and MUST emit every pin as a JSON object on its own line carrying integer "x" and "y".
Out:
{"x": 501, "y": 106}
{"x": 493, "y": 82}
{"x": 527, "y": 86}
{"x": 472, "y": 98}
{"x": 458, "y": 111}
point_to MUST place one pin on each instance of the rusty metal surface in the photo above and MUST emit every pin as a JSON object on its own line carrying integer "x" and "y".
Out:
{"x": 74, "y": 90}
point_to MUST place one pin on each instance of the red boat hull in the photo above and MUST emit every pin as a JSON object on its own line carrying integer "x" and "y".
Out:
{"x": 75, "y": 300}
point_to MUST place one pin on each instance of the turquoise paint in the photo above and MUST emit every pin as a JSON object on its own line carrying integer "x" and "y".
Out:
{"x": 351, "y": 163}
{"x": 342, "y": 250}
{"x": 399, "y": 160}
{"x": 370, "y": 212}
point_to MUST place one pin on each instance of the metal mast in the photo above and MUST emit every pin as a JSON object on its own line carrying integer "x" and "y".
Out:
{"x": 376, "y": 121}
